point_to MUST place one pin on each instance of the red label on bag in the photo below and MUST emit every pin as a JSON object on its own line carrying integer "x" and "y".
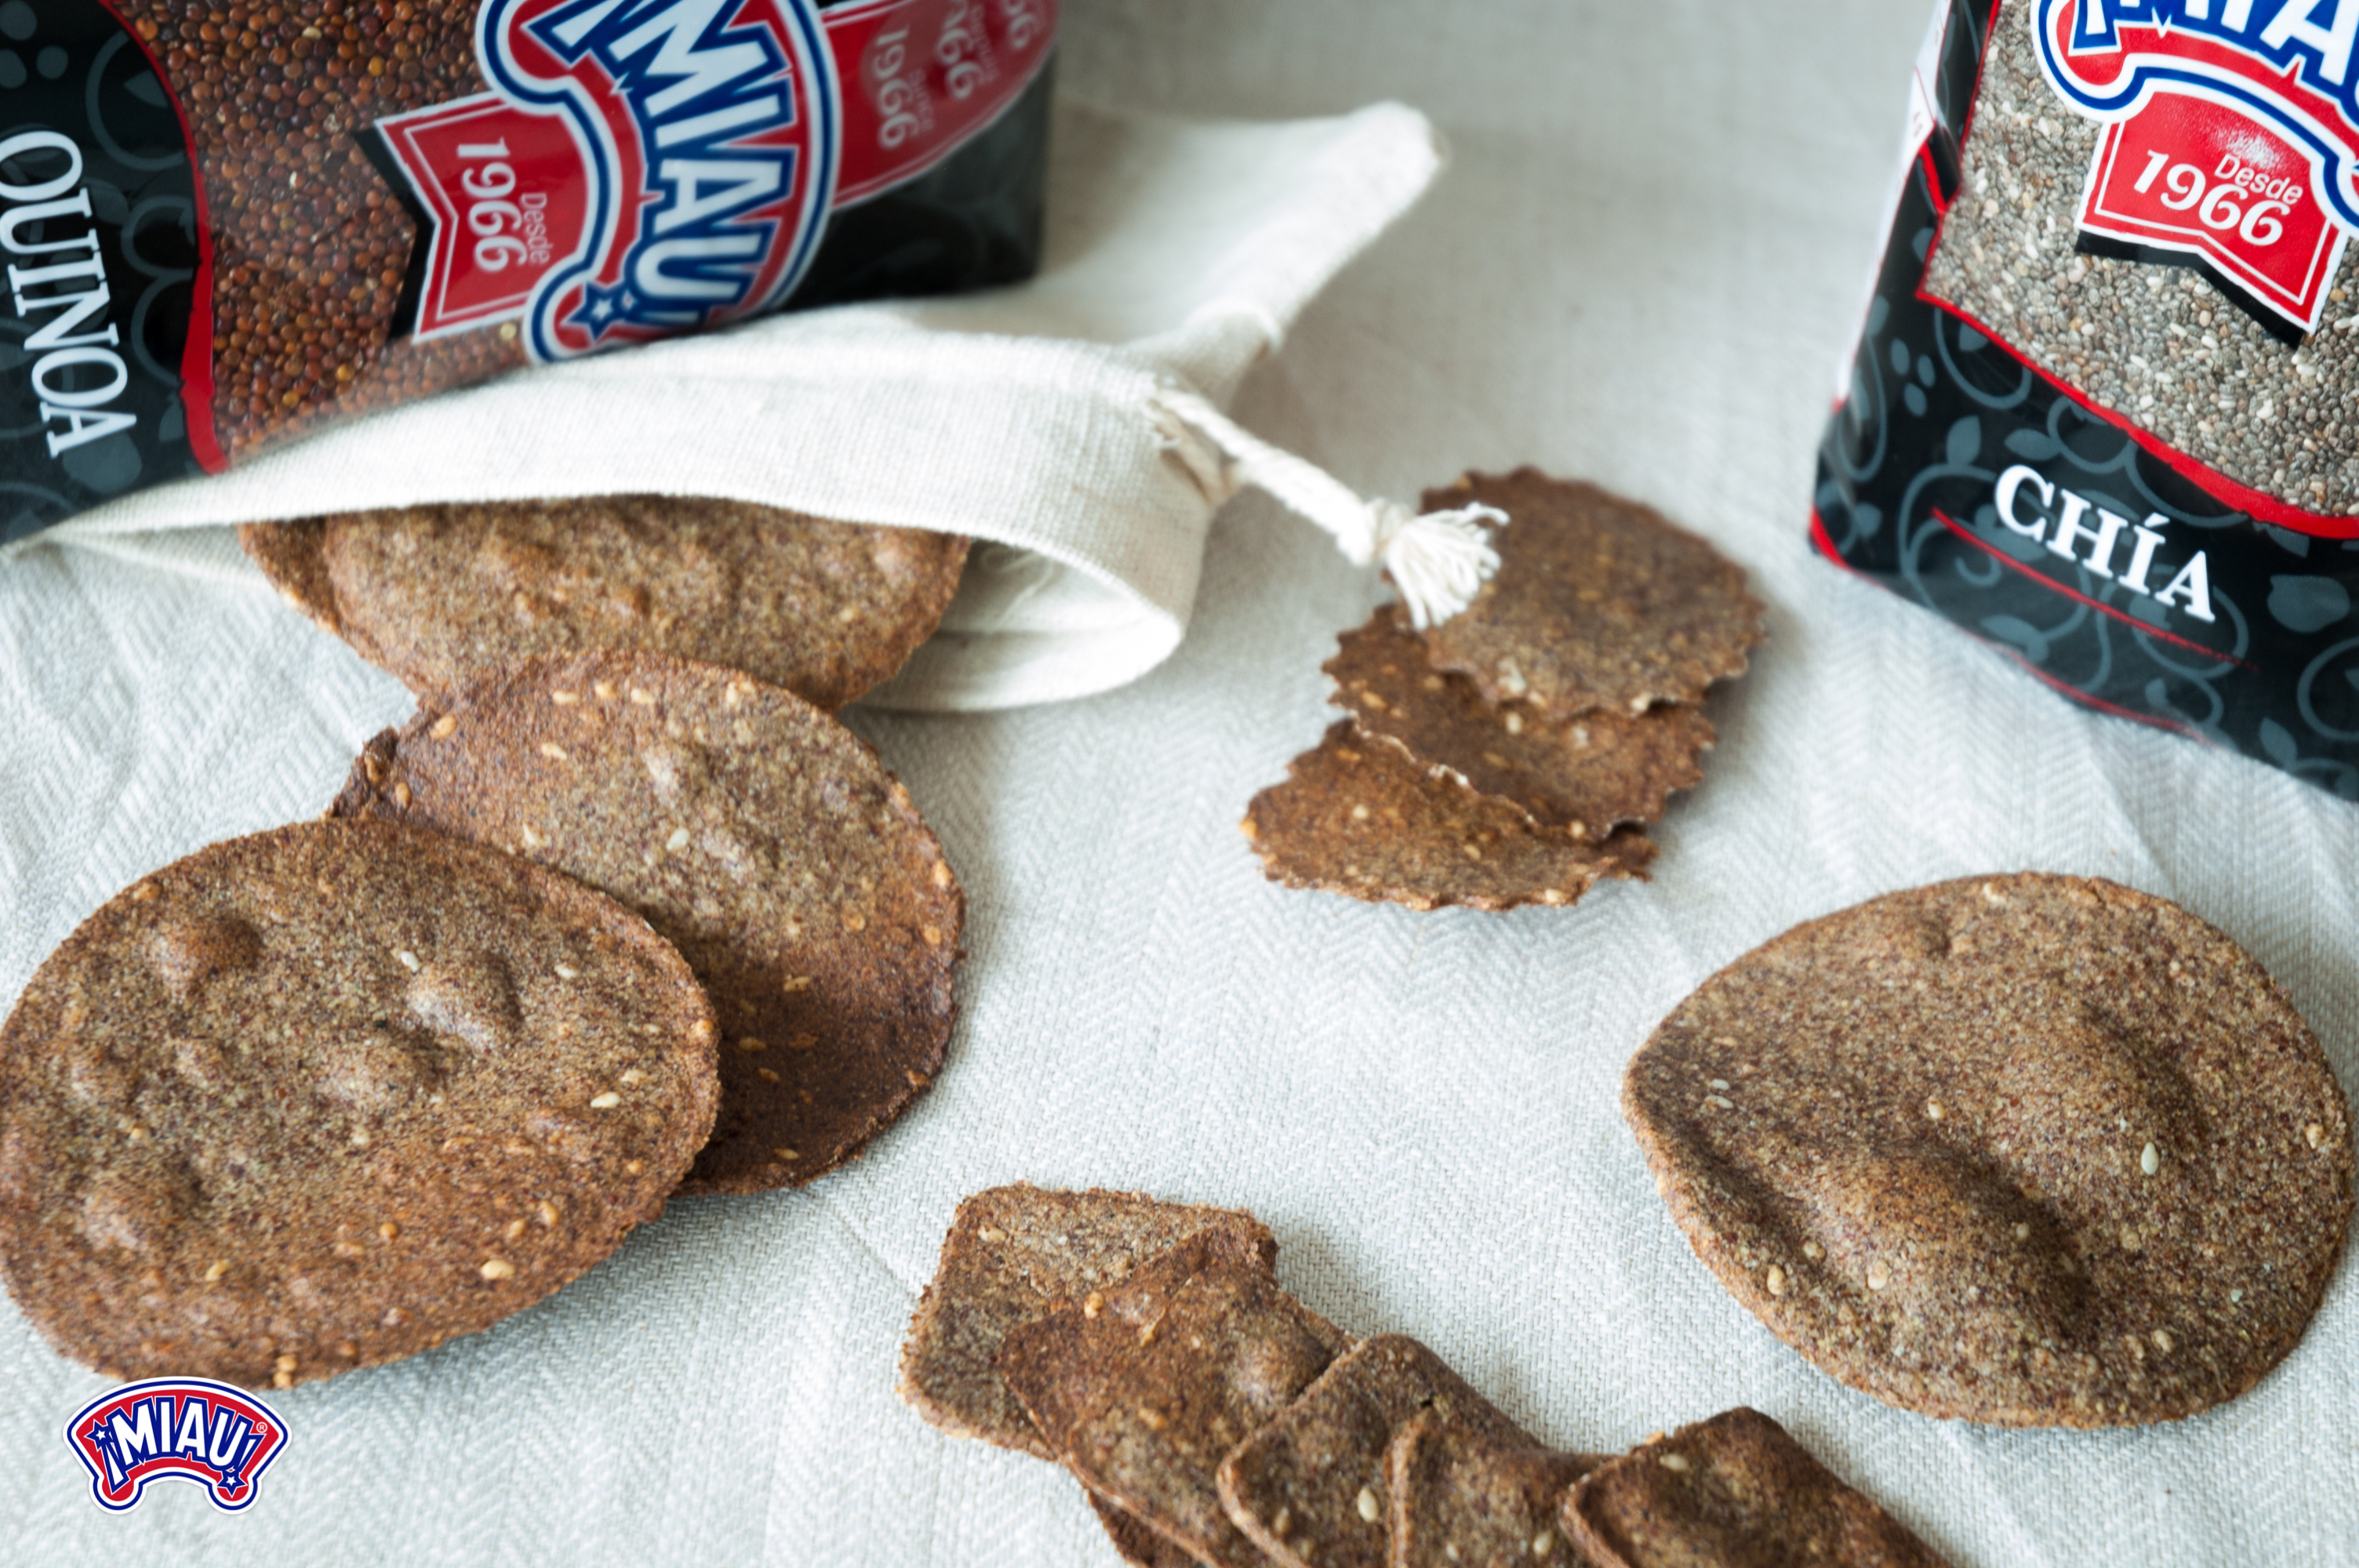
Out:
{"x": 645, "y": 167}
{"x": 2187, "y": 175}
{"x": 504, "y": 191}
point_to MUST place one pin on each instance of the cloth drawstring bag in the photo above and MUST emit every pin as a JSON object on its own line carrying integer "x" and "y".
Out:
{"x": 1074, "y": 426}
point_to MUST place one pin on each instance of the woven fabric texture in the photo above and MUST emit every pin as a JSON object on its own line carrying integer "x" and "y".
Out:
{"x": 1644, "y": 267}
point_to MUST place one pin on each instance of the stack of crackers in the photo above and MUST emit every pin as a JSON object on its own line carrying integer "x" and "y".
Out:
{"x": 1515, "y": 752}
{"x": 1212, "y": 1418}
{"x": 621, "y": 913}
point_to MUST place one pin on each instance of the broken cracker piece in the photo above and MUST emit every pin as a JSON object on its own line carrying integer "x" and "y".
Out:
{"x": 1356, "y": 817}
{"x": 1462, "y": 1498}
{"x": 1182, "y": 1361}
{"x": 1734, "y": 1490}
{"x": 1014, "y": 1255}
{"x": 1587, "y": 775}
{"x": 1308, "y": 1488}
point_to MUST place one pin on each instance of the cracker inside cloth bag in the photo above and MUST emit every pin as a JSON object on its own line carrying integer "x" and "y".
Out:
{"x": 1073, "y": 425}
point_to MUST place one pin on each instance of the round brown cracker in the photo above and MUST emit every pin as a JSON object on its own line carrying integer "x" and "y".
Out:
{"x": 327, "y": 1096}
{"x": 756, "y": 833}
{"x": 1598, "y": 602}
{"x": 1587, "y": 775}
{"x": 1356, "y": 817}
{"x": 443, "y": 596}
{"x": 2029, "y": 1150}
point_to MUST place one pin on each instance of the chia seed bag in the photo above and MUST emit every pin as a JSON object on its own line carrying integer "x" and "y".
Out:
{"x": 2105, "y": 411}
{"x": 229, "y": 225}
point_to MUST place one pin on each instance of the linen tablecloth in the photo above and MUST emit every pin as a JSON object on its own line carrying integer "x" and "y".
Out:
{"x": 1644, "y": 267}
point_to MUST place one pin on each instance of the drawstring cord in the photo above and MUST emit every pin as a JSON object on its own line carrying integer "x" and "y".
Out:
{"x": 1438, "y": 561}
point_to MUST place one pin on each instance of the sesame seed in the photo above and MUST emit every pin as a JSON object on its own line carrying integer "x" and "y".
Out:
{"x": 282, "y": 1380}
{"x": 346, "y": 1249}
{"x": 750, "y": 1043}
{"x": 547, "y": 1212}
{"x": 1776, "y": 1280}
{"x": 143, "y": 893}
{"x": 1093, "y": 1304}
{"x": 1359, "y": 814}
{"x": 408, "y": 959}
{"x": 2022, "y": 1231}
{"x": 496, "y": 1269}
{"x": 1813, "y": 1251}
{"x": 797, "y": 983}
{"x": 942, "y": 877}
{"x": 565, "y": 973}
{"x": 388, "y": 1230}
{"x": 513, "y": 1228}
{"x": 2148, "y": 1161}
{"x": 2315, "y": 1133}
{"x": 1720, "y": 1084}
{"x": 552, "y": 750}
{"x": 1675, "y": 1461}
{"x": 1543, "y": 1543}
{"x": 765, "y": 1075}
{"x": 606, "y": 1101}
{"x": 1878, "y": 1275}
{"x": 2163, "y": 1342}
{"x": 215, "y": 1269}
{"x": 678, "y": 841}
{"x": 801, "y": 1042}
{"x": 401, "y": 796}
{"x": 2131, "y": 1240}
{"x": 2235, "y": 1298}
{"x": 1933, "y": 1109}
{"x": 604, "y": 690}
{"x": 1717, "y": 1103}
{"x": 633, "y": 1076}
{"x": 791, "y": 1155}
{"x": 633, "y": 1167}
{"x": 933, "y": 934}
{"x": 1369, "y": 1509}
{"x": 444, "y": 727}
{"x": 643, "y": 697}
{"x": 285, "y": 1364}
{"x": 855, "y": 922}
{"x": 1514, "y": 723}
{"x": 564, "y": 698}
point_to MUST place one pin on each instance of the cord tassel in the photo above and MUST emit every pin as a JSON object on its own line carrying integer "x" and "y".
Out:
{"x": 1437, "y": 560}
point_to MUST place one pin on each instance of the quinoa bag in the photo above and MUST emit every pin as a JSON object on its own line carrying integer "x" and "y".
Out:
{"x": 2105, "y": 411}
{"x": 230, "y": 225}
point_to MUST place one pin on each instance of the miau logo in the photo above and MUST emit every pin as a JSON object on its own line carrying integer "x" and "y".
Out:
{"x": 220, "y": 1437}
{"x": 644, "y": 168}
{"x": 2231, "y": 140}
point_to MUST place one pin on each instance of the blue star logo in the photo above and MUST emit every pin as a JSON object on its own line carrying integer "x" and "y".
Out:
{"x": 605, "y": 310}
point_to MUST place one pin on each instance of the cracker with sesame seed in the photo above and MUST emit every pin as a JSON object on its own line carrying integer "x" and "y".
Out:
{"x": 1736, "y": 1491}
{"x": 1142, "y": 1389}
{"x": 1587, "y": 775}
{"x": 1459, "y": 1497}
{"x": 2029, "y": 1150}
{"x": 444, "y": 596}
{"x": 1309, "y": 1488}
{"x": 1014, "y": 1255}
{"x": 1598, "y": 602}
{"x": 759, "y": 836}
{"x": 325, "y": 1096}
{"x": 1356, "y": 817}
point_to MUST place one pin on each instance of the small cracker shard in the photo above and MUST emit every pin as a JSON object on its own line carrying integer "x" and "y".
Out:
{"x": 1734, "y": 1490}
{"x": 1588, "y": 775}
{"x": 1598, "y": 602}
{"x": 1356, "y": 817}
{"x": 757, "y": 834}
{"x": 444, "y": 596}
{"x": 1012, "y": 1255}
{"x": 1308, "y": 1488}
{"x": 1182, "y": 1360}
{"x": 1462, "y": 1498}
{"x": 2106, "y": 1184}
